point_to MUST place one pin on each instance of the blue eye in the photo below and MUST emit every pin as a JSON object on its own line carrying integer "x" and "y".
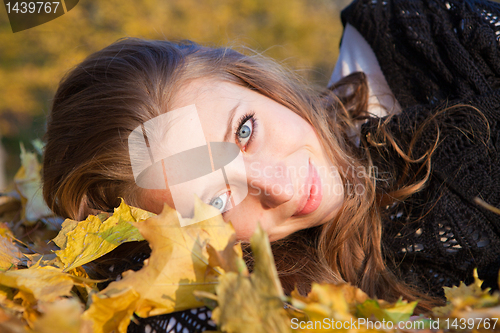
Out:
{"x": 245, "y": 132}
{"x": 221, "y": 202}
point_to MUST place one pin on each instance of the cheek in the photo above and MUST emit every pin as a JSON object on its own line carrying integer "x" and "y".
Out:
{"x": 243, "y": 233}
{"x": 244, "y": 228}
{"x": 294, "y": 128}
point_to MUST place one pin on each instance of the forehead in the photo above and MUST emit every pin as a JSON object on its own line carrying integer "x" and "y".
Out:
{"x": 207, "y": 93}
{"x": 214, "y": 99}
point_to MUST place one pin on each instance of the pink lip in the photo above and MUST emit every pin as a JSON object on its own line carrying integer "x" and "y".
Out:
{"x": 311, "y": 199}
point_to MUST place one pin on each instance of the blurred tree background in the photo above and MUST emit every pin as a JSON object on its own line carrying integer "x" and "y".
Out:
{"x": 301, "y": 34}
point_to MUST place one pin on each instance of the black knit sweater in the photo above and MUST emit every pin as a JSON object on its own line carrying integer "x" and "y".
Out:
{"x": 437, "y": 55}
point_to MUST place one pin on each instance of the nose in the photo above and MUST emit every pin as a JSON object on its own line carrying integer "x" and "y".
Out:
{"x": 271, "y": 183}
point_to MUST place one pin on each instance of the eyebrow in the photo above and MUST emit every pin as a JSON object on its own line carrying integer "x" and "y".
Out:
{"x": 229, "y": 129}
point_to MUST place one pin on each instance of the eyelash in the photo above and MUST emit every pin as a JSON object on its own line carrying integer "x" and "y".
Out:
{"x": 227, "y": 202}
{"x": 243, "y": 119}
{"x": 241, "y": 122}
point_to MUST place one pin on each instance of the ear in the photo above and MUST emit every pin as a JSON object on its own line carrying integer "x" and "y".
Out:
{"x": 352, "y": 93}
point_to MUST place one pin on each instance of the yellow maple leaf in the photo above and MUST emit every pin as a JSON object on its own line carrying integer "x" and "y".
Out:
{"x": 35, "y": 286}
{"x": 465, "y": 298}
{"x": 230, "y": 259}
{"x": 265, "y": 276}
{"x": 325, "y": 301}
{"x": 44, "y": 283}
{"x": 85, "y": 241}
{"x": 394, "y": 312}
{"x": 68, "y": 225}
{"x": 29, "y": 304}
{"x": 111, "y": 312}
{"x": 252, "y": 303}
{"x": 179, "y": 261}
{"x": 328, "y": 305}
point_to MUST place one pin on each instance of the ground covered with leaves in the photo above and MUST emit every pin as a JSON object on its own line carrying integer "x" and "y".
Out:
{"x": 44, "y": 285}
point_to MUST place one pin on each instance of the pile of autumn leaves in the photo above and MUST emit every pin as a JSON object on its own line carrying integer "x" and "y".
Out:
{"x": 200, "y": 264}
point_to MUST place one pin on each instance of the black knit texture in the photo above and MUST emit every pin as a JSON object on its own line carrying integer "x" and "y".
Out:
{"x": 440, "y": 55}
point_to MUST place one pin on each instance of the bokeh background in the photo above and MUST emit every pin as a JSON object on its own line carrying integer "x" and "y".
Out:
{"x": 302, "y": 34}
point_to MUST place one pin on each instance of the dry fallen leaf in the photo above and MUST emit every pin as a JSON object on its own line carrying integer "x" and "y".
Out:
{"x": 10, "y": 255}
{"x": 10, "y": 323}
{"x": 28, "y": 183}
{"x": 466, "y": 297}
{"x": 85, "y": 241}
{"x": 381, "y": 310}
{"x": 61, "y": 316}
{"x": 230, "y": 259}
{"x": 252, "y": 303}
{"x": 111, "y": 312}
{"x": 471, "y": 302}
{"x": 346, "y": 303}
{"x": 179, "y": 261}
{"x": 325, "y": 301}
{"x": 43, "y": 283}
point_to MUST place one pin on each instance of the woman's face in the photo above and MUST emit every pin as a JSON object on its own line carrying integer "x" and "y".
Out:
{"x": 289, "y": 182}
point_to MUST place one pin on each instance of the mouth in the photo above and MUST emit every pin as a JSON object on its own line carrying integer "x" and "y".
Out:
{"x": 313, "y": 194}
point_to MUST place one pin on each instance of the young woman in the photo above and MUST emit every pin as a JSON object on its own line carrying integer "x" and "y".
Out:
{"x": 387, "y": 204}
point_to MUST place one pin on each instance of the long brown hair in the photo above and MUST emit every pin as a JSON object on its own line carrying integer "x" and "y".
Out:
{"x": 99, "y": 102}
